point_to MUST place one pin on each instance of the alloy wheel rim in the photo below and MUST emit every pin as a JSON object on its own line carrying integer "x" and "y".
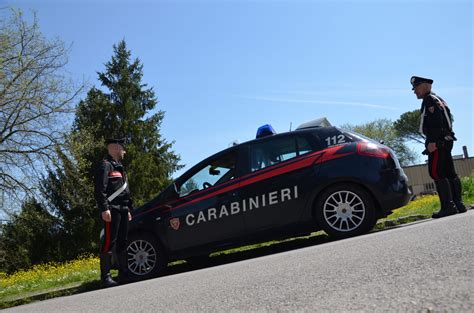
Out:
{"x": 141, "y": 257}
{"x": 344, "y": 211}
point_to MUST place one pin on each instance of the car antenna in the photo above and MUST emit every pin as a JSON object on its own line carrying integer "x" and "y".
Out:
{"x": 290, "y": 126}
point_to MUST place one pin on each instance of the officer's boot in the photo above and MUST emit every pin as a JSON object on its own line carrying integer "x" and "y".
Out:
{"x": 123, "y": 276}
{"x": 445, "y": 197}
{"x": 457, "y": 194}
{"x": 105, "y": 265}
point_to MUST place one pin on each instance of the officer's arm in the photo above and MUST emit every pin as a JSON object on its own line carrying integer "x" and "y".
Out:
{"x": 130, "y": 203}
{"x": 102, "y": 180}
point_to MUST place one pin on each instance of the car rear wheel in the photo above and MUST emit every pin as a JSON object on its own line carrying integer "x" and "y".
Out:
{"x": 146, "y": 257}
{"x": 345, "y": 210}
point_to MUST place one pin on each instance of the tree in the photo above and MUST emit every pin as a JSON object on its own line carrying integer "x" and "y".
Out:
{"x": 125, "y": 111}
{"x": 35, "y": 94}
{"x": 407, "y": 127}
{"x": 30, "y": 237}
{"x": 68, "y": 187}
{"x": 69, "y": 195}
{"x": 384, "y": 130}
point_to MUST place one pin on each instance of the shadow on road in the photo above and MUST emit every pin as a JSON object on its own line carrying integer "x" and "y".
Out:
{"x": 285, "y": 246}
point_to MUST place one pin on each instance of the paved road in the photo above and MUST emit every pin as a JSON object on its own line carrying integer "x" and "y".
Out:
{"x": 419, "y": 267}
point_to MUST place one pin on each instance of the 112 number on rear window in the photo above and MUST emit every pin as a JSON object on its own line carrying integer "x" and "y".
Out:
{"x": 335, "y": 140}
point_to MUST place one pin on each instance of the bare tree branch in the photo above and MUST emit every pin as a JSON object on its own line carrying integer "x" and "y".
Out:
{"x": 35, "y": 98}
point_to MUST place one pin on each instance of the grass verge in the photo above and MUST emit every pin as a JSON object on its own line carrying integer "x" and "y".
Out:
{"x": 46, "y": 279}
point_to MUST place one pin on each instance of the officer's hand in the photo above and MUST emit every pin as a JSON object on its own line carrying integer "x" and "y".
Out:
{"x": 129, "y": 216}
{"x": 106, "y": 216}
{"x": 431, "y": 147}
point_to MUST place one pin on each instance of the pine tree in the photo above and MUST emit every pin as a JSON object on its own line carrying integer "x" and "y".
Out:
{"x": 69, "y": 194}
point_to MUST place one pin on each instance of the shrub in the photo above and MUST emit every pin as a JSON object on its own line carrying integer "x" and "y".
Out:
{"x": 468, "y": 189}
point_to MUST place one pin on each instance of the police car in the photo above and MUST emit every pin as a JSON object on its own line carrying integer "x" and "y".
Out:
{"x": 278, "y": 185}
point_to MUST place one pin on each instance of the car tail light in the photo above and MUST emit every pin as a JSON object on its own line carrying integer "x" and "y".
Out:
{"x": 372, "y": 150}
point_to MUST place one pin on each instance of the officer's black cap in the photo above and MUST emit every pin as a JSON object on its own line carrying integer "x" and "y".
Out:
{"x": 120, "y": 141}
{"x": 416, "y": 80}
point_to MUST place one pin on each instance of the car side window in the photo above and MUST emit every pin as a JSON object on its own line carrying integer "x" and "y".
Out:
{"x": 274, "y": 151}
{"x": 215, "y": 172}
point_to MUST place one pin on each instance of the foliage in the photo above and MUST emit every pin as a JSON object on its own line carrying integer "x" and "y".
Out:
{"x": 70, "y": 195}
{"x": 29, "y": 238}
{"x": 407, "y": 127}
{"x": 35, "y": 95}
{"x": 383, "y": 130}
{"x": 468, "y": 189}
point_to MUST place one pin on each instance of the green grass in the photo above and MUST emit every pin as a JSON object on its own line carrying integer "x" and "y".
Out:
{"x": 468, "y": 189}
{"x": 47, "y": 277}
{"x": 424, "y": 206}
{"x": 51, "y": 280}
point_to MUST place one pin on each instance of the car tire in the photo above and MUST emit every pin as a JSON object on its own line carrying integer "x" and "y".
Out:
{"x": 146, "y": 257}
{"x": 345, "y": 210}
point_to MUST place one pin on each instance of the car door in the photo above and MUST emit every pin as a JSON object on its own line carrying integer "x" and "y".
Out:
{"x": 205, "y": 211}
{"x": 276, "y": 188}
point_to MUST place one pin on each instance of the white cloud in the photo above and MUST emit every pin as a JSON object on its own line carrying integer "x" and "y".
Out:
{"x": 288, "y": 100}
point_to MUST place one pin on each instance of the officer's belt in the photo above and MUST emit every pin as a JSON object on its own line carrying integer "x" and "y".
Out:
{"x": 117, "y": 192}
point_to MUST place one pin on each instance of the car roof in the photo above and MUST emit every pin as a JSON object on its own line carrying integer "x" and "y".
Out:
{"x": 293, "y": 132}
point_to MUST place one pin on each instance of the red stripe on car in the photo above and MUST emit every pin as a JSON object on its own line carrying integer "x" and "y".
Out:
{"x": 275, "y": 170}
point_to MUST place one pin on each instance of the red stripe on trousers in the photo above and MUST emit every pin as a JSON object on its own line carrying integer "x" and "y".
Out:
{"x": 434, "y": 166}
{"x": 107, "y": 237}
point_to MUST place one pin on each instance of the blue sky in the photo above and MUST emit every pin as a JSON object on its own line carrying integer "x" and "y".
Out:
{"x": 221, "y": 69}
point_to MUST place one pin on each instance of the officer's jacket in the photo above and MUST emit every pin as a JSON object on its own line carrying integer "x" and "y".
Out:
{"x": 110, "y": 176}
{"x": 436, "y": 119}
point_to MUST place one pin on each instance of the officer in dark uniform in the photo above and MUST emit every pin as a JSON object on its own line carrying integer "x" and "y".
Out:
{"x": 436, "y": 124}
{"x": 114, "y": 201}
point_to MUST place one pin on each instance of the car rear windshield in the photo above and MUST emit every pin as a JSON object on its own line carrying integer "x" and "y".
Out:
{"x": 356, "y": 136}
{"x": 331, "y": 136}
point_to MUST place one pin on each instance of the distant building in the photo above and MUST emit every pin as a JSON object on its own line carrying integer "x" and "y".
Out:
{"x": 420, "y": 181}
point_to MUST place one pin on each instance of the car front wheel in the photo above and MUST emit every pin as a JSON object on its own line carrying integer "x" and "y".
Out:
{"x": 146, "y": 257}
{"x": 345, "y": 210}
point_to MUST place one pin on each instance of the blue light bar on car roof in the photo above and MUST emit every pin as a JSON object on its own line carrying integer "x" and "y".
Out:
{"x": 265, "y": 130}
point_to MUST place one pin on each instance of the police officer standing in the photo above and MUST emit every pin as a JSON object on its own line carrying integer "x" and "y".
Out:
{"x": 112, "y": 194}
{"x": 436, "y": 125}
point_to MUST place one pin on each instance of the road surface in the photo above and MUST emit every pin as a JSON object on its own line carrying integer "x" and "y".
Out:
{"x": 419, "y": 267}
